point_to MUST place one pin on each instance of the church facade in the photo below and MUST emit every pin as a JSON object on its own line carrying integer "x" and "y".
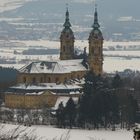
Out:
{"x": 67, "y": 68}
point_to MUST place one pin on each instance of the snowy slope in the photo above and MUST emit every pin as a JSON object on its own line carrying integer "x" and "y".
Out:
{"x": 49, "y": 133}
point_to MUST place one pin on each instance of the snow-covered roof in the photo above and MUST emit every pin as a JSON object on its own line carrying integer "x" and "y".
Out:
{"x": 34, "y": 93}
{"x": 60, "y": 66}
{"x": 27, "y": 94}
{"x": 46, "y": 86}
{"x": 64, "y": 100}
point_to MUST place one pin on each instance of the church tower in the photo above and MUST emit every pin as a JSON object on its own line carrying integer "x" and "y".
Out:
{"x": 95, "y": 58}
{"x": 67, "y": 40}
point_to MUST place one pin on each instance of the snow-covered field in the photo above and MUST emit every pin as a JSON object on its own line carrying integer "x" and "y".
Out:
{"x": 119, "y": 64}
{"x": 49, "y": 133}
{"x": 80, "y": 43}
{"x": 111, "y": 64}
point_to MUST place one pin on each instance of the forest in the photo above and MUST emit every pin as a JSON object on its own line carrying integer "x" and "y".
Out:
{"x": 107, "y": 102}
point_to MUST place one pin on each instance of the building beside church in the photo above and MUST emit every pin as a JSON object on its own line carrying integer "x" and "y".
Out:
{"x": 36, "y": 100}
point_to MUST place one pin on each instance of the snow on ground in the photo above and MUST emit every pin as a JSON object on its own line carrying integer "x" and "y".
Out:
{"x": 123, "y": 53}
{"x": 111, "y": 64}
{"x": 48, "y": 133}
{"x": 80, "y": 43}
{"x": 119, "y": 64}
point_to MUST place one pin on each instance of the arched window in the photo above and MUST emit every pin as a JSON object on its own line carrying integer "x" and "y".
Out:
{"x": 24, "y": 79}
{"x": 41, "y": 80}
{"x": 34, "y": 80}
{"x": 49, "y": 80}
{"x": 93, "y": 50}
{"x": 72, "y": 77}
{"x": 64, "y": 48}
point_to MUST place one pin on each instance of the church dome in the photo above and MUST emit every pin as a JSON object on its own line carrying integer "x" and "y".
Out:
{"x": 67, "y": 32}
{"x": 96, "y": 34}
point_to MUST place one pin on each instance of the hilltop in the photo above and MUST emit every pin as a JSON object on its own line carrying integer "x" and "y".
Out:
{"x": 118, "y": 19}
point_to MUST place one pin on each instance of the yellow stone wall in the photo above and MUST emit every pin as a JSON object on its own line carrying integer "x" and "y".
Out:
{"x": 48, "y": 78}
{"x": 14, "y": 101}
{"x": 25, "y": 101}
{"x": 96, "y": 56}
{"x": 21, "y": 101}
{"x": 66, "y": 47}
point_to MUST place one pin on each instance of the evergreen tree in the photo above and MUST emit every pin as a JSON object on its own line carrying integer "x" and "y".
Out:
{"x": 98, "y": 105}
{"x": 131, "y": 109}
{"x": 105, "y": 104}
{"x": 60, "y": 115}
{"x": 117, "y": 81}
{"x": 85, "y": 102}
{"x": 70, "y": 111}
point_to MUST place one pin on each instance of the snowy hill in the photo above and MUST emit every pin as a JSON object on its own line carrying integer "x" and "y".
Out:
{"x": 49, "y": 133}
{"x": 119, "y": 18}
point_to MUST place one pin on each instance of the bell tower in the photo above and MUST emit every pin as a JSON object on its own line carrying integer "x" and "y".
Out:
{"x": 67, "y": 40}
{"x": 95, "y": 58}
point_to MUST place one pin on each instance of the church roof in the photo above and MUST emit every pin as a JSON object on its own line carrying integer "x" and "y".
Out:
{"x": 46, "y": 86}
{"x": 53, "y": 67}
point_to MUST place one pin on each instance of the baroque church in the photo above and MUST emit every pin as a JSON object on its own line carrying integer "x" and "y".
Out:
{"x": 51, "y": 82}
{"x": 67, "y": 68}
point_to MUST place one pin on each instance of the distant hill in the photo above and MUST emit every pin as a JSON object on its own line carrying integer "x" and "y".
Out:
{"x": 116, "y": 16}
{"x": 108, "y": 8}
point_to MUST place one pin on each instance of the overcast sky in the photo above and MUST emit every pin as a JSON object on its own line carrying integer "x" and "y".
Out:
{"x": 11, "y": 4}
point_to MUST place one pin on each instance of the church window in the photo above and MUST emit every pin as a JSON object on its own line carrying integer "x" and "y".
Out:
{"x": 71, "y": 76}
{"x": 41, "y": 80}
{"x": 49, "y": 80}
{"x": 64, "y": 48}
{"x": 34, "y": 80}
{"x": 93, "y": 50}
{"x": 24, "y": 80}
{"x": 100, "y": 50}
{"x": 44, "y": 79}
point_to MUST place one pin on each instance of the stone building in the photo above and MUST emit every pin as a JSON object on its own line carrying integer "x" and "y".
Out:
{"x": 36, "y": 100}
{"x": 51, "y": 72}
{"x": 33, "y": 100}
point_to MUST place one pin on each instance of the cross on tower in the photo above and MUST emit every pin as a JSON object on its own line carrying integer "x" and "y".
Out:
{"x": 67, "y": 6}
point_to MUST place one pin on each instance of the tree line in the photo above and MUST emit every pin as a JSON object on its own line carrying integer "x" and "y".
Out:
{"x": 7, "y": 77}
{"x": 106, "y": 102}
